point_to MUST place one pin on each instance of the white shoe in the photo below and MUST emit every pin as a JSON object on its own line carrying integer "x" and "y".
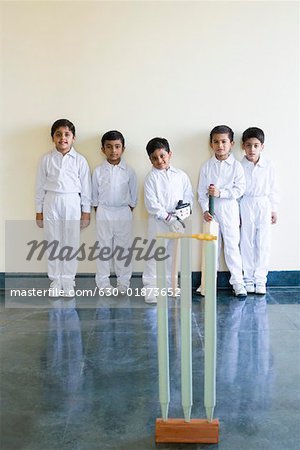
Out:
{"x": 150, "y": 298}
{"x": 68, "y": 289}
{"x": 250, "y": 287}
{"x": 122, "y": 289}
{"x": 239, "y": 290}
{"x": 55, "y": 289}
{"x": 199, "y": 291}
{"x": 260, "y": 289}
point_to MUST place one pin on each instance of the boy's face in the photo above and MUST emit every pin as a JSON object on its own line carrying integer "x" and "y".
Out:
{"x": 160, "y": 159}
{"x": 253, "y": 148}
{"x": 221, "y": 145}
{"x": 113, "y": 151}
{"x": 63, "y": 139}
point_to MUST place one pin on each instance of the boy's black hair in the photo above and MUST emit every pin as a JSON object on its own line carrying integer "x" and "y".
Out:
{"x": 62, "y": 123}
{"x": 253, "y": 132}
{"x": 112, "y": 135}
{"x": 157, "y": 143}
{"x": 222, "y": 129}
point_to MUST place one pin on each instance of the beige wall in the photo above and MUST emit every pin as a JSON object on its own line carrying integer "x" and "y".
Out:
{"x": 174, "y": 69}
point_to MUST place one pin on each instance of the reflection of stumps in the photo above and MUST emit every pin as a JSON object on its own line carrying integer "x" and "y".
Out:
{"x": 187, "y": 430}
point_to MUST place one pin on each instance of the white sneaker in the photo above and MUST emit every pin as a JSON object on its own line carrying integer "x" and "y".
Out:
{"x": 150, "y": 298}
{"x": 199, "y": 291}
{"x": 260, "y": 289}
{"x": 250, "y": 287}
{"x": 122, "y": 289}
{"x": 239, "y": 290}
{"x": 55, "y": 289}
{"x": 68, "y": 289}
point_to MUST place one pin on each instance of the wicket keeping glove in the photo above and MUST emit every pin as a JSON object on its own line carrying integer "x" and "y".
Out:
{"x": 175, "y": 224}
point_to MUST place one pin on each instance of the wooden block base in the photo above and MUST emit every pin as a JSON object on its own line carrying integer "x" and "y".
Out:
{"x": 196, "y": 431}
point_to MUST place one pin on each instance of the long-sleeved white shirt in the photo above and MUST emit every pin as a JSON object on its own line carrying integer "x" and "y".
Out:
{"x": 261, "y": 180}
{"x": 64, "y": 174}
{"x": 227, "y": 176}
{"x": 164, "y": 188}
{"x": 114, "y": 185}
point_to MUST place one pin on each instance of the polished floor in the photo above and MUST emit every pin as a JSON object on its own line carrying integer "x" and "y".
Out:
{"x": 81, "y": 374}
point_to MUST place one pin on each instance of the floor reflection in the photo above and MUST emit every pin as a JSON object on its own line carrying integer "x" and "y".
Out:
{"x": 64, "y": 356}
{"x": 245, "y": 369}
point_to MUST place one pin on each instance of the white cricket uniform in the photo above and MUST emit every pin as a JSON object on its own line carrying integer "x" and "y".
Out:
{"x": 114, "y": 190}
{"x": 63, "y": 190}
{"x": 228, "y": 177}
{"x": 162, "y": 191}
{"x": 259, "y": 200}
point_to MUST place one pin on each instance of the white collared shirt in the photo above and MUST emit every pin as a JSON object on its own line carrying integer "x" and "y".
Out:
{"x": 261, "y": 180}
{"x": 227, "y": 176}
{"x": 64, "y": 174}
{"x": 114, "y": 185}
{"x": 164, "y": 188}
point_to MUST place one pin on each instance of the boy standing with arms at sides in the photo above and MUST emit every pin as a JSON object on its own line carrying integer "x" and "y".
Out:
{"x": 223, "y": 178}
{"x": 164, "y": 187}
{"x": 258, "y": 208}
{"x": 63, "y": 203}
{"x": 114, "y": 187}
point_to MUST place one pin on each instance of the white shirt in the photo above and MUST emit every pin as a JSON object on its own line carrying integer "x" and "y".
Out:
{"x": 164, "y": 188}
{"x": 227, "y": 176}
{"x": 261, "y": 180}
{"x": 64, "y": 174}
{"x": 114, "y": 185}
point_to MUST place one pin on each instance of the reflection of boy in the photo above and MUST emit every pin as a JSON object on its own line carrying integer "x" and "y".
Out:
{"x": 63, "y": 197}
{"x": 164, "y": 187}
{"x": 114, "y": 197}
{"x": 222, "y": 177}
{"x": 258, "y": 208}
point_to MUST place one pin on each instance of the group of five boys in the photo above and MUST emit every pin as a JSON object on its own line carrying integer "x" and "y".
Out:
{"x": 245, "y": 199}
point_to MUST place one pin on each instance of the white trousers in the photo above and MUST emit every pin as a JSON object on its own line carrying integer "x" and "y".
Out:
{"x": 114, "y": 229}
{"x": 255, "y": 238}
{"x": 149, "y": 275}
{"x": 62, "y": 214}
{"x": 228, "y": 218}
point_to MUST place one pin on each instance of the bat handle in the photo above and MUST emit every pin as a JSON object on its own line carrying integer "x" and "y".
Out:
{"x": 211, "y": 204}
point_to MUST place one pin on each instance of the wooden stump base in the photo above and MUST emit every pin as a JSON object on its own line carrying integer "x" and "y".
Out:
{"x": 196, "y": 431}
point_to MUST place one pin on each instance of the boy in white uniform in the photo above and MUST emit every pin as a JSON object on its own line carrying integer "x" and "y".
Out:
{"x": 258, "y": 209}
{"x": 114, "y": 187}
{"x": 63, "y": 203}
{"x": 164, "y": 186}
{"x": 226, "y": 176}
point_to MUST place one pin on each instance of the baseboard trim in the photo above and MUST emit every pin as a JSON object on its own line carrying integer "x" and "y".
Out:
{"x": 281, "y": 278}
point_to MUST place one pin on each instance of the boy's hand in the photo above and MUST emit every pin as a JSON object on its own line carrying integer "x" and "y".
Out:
{"x": 207, "y": 217}
{"x": 85, "y": 220}
{"x": 213, "y": 191}
{"x": 273, "y": 217}
{"x": 39, "y": 218}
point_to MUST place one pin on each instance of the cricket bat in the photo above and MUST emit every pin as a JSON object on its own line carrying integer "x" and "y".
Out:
{"x": 208, "y": 228}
